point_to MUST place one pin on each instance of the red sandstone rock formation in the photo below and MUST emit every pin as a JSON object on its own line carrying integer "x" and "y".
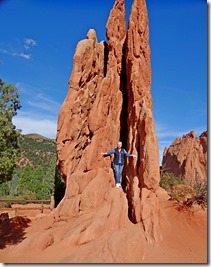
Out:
{"x": 89, "y": 123}
{"x": 108, "y": 98}
{"x": 187, "y": 157}
{"x": 141, "y": 138}
{"x": 89, "y": 120}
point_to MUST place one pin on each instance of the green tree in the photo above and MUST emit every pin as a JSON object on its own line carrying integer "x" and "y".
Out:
{"x": 9, "y": 147}
{"x": 4, "y": 189}
{"x": 50, "y": 175}
{"x": 24, "y": 181}
{"x": 32, "y": 183}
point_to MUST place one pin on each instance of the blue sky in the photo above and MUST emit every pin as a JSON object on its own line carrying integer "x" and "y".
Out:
{"x": 37, "y": 44}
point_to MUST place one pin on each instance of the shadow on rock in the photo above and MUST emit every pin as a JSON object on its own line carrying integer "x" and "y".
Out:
{"x": 12, "y": 230}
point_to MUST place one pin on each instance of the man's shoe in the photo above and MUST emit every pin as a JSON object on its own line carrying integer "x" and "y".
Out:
{"x": 118, "y": 185}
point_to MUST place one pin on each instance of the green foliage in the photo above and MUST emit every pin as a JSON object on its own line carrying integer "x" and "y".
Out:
{"x": 200, "y": 196}
{"x": 181, "y": 192}
{"x": 168, "y": 180}
{"x": 37, "y": 150}
{"x": 4, "y": 189}
{"x": 9, "y": 153}
{"x": 36, "y": 182}
{"x": 187, "y": 194}
{"x": 35, "y": 176}
{"x": 27, "y": 162}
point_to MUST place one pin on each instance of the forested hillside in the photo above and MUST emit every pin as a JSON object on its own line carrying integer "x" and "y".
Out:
{"x": 37, "y": 149}
{"x": 35, "y": 176}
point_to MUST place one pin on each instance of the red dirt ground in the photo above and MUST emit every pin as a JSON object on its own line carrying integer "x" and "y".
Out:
{"x": 184, "y": 239}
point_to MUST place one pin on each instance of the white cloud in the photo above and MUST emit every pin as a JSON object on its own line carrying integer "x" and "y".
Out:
{"x": 29, "y": 42}
{"x": 29, "y": 124}
{"x": 48, "y": 103}
{"x": 14, "y": 54}
{"x": 44, "y": 106}
{"x": 39, "y": 112}
{"x": 4, "y": 51}
{"x": 37, "y": 99}
{"x": 17, "y": 50}
{"x": 26, "y": 56}
{"x": 25, "y": 88}
{"x": 165, "y": 131}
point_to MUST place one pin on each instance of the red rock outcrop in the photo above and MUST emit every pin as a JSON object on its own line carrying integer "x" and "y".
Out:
{"x": 89, "y": 120}
{"x": 141, "y": 138}
{"x": 109, "y": 99}
{"x": 186, "y": 157}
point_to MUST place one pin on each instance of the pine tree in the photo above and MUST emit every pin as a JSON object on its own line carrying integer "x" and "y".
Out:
{"x": 9, "y": 147}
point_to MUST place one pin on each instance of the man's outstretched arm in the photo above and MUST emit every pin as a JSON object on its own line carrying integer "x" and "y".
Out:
{"x": 108, "y": 153}
{"x": 129, "y": 155}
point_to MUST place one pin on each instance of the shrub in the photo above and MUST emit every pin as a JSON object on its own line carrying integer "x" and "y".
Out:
{"x": 182, "y": 192}
{"x": 200, "y": 195}
{"x": 187, "y": 194}
{"x": 168, "y": 180}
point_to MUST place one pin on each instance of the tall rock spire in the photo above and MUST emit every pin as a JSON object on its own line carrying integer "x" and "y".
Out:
{"x": 142, "y": 176}
{"x": 109, "y": 98}
{"x": 140, "y": 122}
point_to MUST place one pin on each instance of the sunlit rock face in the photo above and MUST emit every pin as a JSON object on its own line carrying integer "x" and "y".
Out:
{"x": 109, "y": 99}
{"x": 186, "y": 157}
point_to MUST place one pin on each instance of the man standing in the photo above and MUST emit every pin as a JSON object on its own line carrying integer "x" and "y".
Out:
{"x": 119, "y": 160}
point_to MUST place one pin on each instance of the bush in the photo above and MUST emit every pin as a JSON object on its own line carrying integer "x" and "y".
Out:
{"x": 195, "y": 193}
{"x": 200, "y": 196}
{"x": 168, "y": 180}
{"x": 181, "y": 192}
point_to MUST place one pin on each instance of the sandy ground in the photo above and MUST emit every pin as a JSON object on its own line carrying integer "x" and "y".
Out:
{"x": 185, "y": 237}
{"x": 184, "y": 240}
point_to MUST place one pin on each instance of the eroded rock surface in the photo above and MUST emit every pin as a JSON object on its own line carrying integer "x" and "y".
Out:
{"x": 141, "y": 138}
{"x": 108, "y": 99}
{"x": 186, "y": 157}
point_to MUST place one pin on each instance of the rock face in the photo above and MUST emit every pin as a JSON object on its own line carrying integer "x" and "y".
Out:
{"x": 187, "y": 157}
{"x": 109, "y": 99}
{"x": 140, "y": 136}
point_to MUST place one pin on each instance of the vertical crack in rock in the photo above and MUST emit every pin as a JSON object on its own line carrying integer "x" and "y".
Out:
{"x": 142, "y": 140}
{"x": 109, "y": 99}
{"x": 123, "y": 89}
{"x": 105, "y": 58}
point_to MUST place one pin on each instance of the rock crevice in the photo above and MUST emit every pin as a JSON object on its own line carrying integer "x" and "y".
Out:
{"x": 109, "y": 99}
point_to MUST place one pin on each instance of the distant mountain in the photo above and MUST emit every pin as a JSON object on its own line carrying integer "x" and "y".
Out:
{"x": 36, "y": 136}
{"x": 36, "y": 149}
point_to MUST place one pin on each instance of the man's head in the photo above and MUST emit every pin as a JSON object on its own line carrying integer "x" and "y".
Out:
{"x": 119, "y": 144}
